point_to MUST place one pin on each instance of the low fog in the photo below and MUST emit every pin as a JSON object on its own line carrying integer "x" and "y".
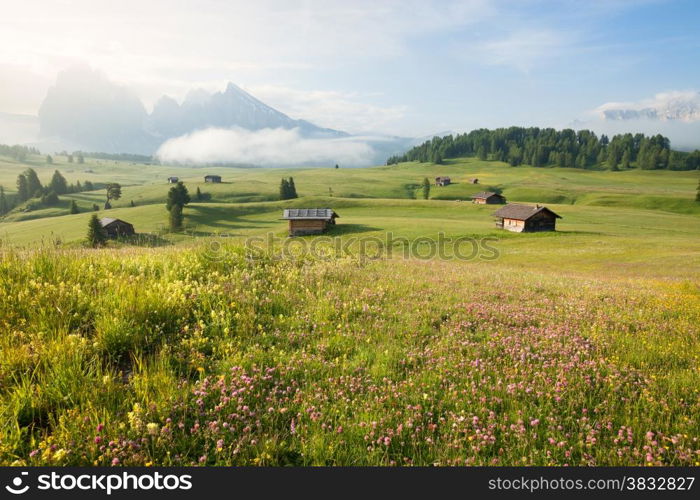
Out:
{"x": 266, "y": 147}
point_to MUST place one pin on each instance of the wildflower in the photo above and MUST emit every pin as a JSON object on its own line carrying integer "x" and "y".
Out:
{"x": 152, "y": 428}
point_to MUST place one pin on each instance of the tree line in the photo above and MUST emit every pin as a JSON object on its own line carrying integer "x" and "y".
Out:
{"x": 542, "y": 147}
{"x": 30, "y": 187}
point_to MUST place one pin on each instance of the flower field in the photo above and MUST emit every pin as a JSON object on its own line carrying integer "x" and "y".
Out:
{"x": 166, "y": 357}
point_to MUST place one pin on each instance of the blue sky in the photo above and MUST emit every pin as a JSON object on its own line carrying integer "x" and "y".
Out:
{"x": 392, "y": 67}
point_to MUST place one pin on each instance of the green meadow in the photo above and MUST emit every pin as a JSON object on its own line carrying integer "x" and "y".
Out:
{"x": 578, "y": 347}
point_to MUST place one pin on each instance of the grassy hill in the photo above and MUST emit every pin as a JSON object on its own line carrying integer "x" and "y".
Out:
{"x": 578, "y": 347}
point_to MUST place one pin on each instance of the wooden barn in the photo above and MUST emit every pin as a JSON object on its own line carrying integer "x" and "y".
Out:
{"x": 173, "y": 180}
{"x": 488, "y": 198}
{"x": 442, "y": 181}
{"x": 303, "y": 221}
{"x": 116, "y": 227}
{"x": 212, "y": 178}
{"x": 525, "y": 218}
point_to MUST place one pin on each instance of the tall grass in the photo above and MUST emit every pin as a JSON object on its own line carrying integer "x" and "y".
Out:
{"x": 165, "y": 357}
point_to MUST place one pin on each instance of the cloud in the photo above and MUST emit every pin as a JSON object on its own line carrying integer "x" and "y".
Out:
{"x": 666, "y": 106}
{"x": 346, "y": 111}
{"x": 267, "y": 147}
{"x": 522, "y": 49}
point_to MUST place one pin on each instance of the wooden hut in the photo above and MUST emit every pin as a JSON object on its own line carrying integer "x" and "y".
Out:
{"x": 303, "y": 221}
{"x": 212, "y": 178}
{"x": 442, "y": 181}
{"x": 488, "y": 198}
{"x": 173, "y": 180}
{"x": 525, "y": 218}
{"x": 115, "y": 228}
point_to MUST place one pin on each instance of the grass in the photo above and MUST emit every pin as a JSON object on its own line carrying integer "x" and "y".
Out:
{"x": 169, "y": 357}
{"x": 578, "y": 347}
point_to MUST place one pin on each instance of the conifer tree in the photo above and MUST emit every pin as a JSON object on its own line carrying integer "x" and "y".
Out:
{"x": 426, "y": 188}
{"x": 96, "y": 236}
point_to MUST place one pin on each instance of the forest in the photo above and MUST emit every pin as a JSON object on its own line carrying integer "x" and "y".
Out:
{"x": 542, "y": 147}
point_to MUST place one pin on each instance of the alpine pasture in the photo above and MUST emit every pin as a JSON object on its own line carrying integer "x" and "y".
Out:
{"x": 577, "y": 347}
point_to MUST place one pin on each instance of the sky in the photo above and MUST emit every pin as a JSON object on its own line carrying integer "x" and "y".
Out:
{"x": 406, "y": 67}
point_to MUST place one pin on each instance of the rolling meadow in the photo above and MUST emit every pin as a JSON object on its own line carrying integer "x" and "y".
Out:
{"x": 579, "y": 347}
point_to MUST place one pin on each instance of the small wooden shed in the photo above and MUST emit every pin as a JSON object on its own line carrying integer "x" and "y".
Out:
{"x": 303, "y": 221}
{"x": 442, "y": 181}
{"x": 212, "y": 178}
{"x": 525, "y": 218}
{"x": 488, "y": 198}
{"x": 116, "y": 227}
{"x": 173, "y": 180}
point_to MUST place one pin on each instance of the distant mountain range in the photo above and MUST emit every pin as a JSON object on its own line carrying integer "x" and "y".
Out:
{"x": 86, "y": 111}
{"x": 667, "y": 106}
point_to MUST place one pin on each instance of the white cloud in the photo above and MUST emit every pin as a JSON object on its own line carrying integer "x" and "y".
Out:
{"x": 267, "y": 147}
{"x": 158, "y": 45}
{"x": 348, "y": 111}
{"x": 523, "y": 49}
{"x": 675, "y": 105}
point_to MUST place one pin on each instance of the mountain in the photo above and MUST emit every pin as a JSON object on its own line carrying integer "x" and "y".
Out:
{"x": 233, "y": 107}
{"x": 84, "y": 110}
{"x": 668, "y": 106}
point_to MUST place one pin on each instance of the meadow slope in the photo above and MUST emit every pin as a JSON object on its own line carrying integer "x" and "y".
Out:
{"x": 579, "y": 347}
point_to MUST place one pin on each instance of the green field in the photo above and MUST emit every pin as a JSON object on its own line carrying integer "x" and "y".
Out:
{"x": 579, "y": 347}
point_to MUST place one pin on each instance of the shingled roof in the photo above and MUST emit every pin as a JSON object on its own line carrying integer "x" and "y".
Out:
{"x": 309, "y": 213}
{"x": 106, "y": 221}
{"x": 485, "y": 194}
{"x": 521, "y": 212}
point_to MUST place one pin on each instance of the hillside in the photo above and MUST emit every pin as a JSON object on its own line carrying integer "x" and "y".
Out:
{"x": 415, "y": 333}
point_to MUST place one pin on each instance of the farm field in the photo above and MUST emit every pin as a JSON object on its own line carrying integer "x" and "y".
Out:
{"x": 579, "y": 347}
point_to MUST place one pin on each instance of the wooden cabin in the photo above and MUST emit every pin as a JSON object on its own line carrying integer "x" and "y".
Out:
{"x": 488, "y": 198}
{"x": 114, "y": 228}
{"x": 525, "y": 218}
{"x": 303, "y": 221}
{"x": 212, "y": 178}
{"x": 173, "y": 180}
{"x": 442, "y": 181}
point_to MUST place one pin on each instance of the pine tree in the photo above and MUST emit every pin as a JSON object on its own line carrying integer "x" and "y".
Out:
{"x": 58, "y": 183}
{"x": 178, "y": 197}
{"x": 34, "y": 187}
{"x": 292, "y": 189}
{"x": 49, "y": 160}
{"x": 74, "y": 207}
{"x": 625, "y": 160}
{"x": 132, "y": 204}
{"x": 81, "y": 159}
{"x": 22, "y": 188}
{"x": 426, "y": 188}
{"x": 175, "y": 218}
{"x": 96, "y": 236}
{"x": 198, "y": 195}
{"x": 284, "y": 190}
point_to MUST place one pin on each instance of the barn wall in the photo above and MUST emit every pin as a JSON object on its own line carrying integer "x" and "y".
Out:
{"x": 308, "y": 226}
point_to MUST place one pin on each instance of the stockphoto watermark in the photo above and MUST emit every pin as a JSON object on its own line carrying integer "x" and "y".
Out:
{"x": 387, "y": 246}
